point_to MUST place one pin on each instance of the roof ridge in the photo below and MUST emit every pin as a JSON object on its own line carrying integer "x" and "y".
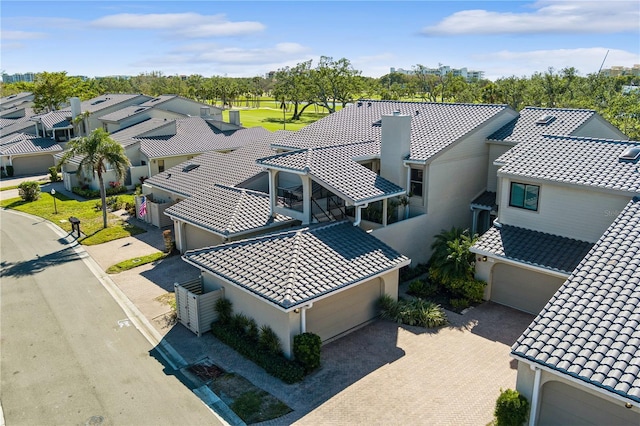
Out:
{"x": 589, "y": 139}
{"x": 294, "y": 258}
{"x": 233, "y": 218}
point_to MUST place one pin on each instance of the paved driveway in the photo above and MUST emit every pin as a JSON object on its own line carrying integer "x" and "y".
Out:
{"x": 385, "y": 374}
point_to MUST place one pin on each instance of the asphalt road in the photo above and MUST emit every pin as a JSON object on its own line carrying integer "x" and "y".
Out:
{"x": 69, "y": 354}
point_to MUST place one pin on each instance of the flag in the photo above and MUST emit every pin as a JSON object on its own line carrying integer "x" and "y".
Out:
{"x": 143, "y": 207}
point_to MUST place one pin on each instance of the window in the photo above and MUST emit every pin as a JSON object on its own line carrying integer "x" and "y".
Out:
{"x": 417, "y": 178}
{"x": 160, "y": 166}
{"x": 524, "y": 196}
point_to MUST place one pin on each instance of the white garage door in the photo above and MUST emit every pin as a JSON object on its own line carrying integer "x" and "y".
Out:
{"x": 522, "y": 289}
{"x": 348, "y": 309}
{"x": 562, "y": 404}
{"x": 33, "y": 165}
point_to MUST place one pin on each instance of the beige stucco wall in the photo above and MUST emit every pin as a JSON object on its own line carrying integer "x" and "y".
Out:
{"x": 495, "y": 151}
{"x": 568, "y": 211}
{"x": 196, "y": 238}
{"x": 410, "y": 237}
{"x": 168, "y": 162}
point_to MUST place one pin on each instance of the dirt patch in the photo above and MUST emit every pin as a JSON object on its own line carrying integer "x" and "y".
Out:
{"x": 249, "y": 402}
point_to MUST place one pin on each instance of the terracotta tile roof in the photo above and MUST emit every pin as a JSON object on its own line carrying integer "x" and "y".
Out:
{"x": 590, "y": 329}
{"x": 229, "y": 169}
{"x": 295, "y": 267}
{"x": 434, "y": 126}
{"x": 21, "y": 143}
{"x": 535, "y": 248}
{"x": 335, "y": 168}
{"x": 194, "y": 136}
{"x": 226, "y": 211}
{"x": 571, "y": 160}
{"x": 562, "y": 121}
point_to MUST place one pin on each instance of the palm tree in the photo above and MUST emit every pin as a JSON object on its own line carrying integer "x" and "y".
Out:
{"x": 451, "y": 258}
{"x": 99, "y": 153}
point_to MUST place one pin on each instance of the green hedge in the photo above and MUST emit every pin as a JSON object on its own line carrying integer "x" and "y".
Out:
{"x": 90, "y": 193}
{"x": 512, "y": 408}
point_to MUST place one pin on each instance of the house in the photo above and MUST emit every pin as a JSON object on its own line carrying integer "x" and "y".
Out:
{"x": 531, "y": 123}
{"x": 236, "y": 169}
{"x": 22, "y": 100}
{"x": 322, "y": 278}
{"x": 578, "y": 361}
{"x": 557, "y": 196}
{"x": 27, "y": 154}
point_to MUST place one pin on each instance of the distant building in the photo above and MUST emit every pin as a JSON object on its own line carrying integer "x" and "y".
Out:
{"x": 442, "y": 70}
{"x": 28, "y": 77}
{"x": 617, "y": 71}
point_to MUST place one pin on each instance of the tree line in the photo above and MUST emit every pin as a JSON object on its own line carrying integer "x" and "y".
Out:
{"x": 330, "y": 83}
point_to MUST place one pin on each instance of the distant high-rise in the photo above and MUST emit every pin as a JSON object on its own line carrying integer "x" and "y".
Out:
{"x": 617, "y": 71}
{"x": 442, "y": 70}
{"x": 28, "y": 77}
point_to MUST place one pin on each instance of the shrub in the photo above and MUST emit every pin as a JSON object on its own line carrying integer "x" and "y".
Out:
{"x": 459, "y": 304}
{"x": 269, "y": 340}
{"x": 511, "y": 409}
{"x": 10, "y": 171}
{"x": 306, "y": 349}
{"x": 423, "y": 289}
{"x": 29, "y": 190}
{"x": 53, "y": 174}
{"x": 466, "y": 288}
{"x": 239, "y": 323}
{"x": 223, "y": 308}
{"x": 415, "y": 312}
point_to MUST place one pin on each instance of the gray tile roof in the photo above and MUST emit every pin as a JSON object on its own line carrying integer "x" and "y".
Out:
{"x": 124, "y": 113}
{"x": 54, "y": 119}
{"x": 434, "y": 126}
{"x": 334, "y": 168}
{"x": 105, "y": 101}
{"x": 227, "y": 211}
{"x": 535, "y": 248}
{"x": 194, "y": 136}
{"x": 573, "y": 160}
{"x": 295, "y": 267}
{"x": 21, "y": 143}
{"x": 127, "y": 136}
{"x": 565, "y": 121}
{"x": 229, "y": 169}
{"x": 590, "y": 329}
{"x": 158, "y": 100}
{"x": 486, "y": 199}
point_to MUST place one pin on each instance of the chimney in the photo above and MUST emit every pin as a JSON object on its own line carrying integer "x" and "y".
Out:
{"x": 75, "y": 107}
{"x": 204, "y": 112}
{"x": 234, "y": 117}
{"x": 395, "y": 147}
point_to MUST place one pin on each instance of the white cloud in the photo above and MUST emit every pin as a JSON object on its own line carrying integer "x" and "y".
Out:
{"x": 20, "y": 35}
{"x": 586, "y": 60}
{"x": 191, "y": 25}
{"x": 548, "y": 16}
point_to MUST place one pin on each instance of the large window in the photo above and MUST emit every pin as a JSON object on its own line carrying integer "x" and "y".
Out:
{"x": 524, "y": 196}
{"x": 417, "y": 177}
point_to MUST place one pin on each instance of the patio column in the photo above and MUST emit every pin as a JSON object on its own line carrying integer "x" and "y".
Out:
{"x": 385, "y": 206}
{"x": 273, "y": 191}
{"x": 306, "y": 199}
{"x": 533, "y": 414}
{"x": 474, "y": 221}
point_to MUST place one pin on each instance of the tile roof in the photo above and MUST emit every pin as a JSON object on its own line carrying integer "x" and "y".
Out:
{"x": 535, "y": 248}
{"x": 335, "y": 168}
{"x": 194, "y": 135}
{"x": 590, "y": 329}
{"x": 108, "y": 100}
{"x": 124, "y": 113}
{"x": 229, "y": 169}
{"x": 295, "y": 267}
{"x": 54, "y": 119}
{"x": 226, "y": 210}
{"x": 524, "y": 127}
{"x": 486, "y": 199}
{"x": 434, "y": 126}
{"x": 126, "y": 136}
{"x": 572, "y": 160}
{"x": 21, "y": 143}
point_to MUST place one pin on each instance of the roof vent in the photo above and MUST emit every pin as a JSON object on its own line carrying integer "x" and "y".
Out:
{"x": 369, "y": 104}
{"x": 377, "y": 123}
{"x": 99, "y": 101}
{"x": 545, "y": 119}
{"x": 139, "y": 109}
{"x": 630, "y": 155}
{"x": 417, "y": 112}
{"x": 359, "y": 104}
{"x": 190, "y": 167}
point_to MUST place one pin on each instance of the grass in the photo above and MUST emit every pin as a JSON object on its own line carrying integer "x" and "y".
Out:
{"x": 135, "y": 262}
{"x": 271, "y": 118}
{"x": 7, "y": 188}
{"x": 90, "y": 219}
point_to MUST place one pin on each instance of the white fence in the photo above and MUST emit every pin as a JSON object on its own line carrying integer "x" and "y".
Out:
{"x": 196, "y": 309}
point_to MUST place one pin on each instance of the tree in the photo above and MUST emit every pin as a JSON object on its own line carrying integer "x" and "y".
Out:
{"x": 451, "y": 258}
{"x": 293, "y": 85}
{"x": 51, "y": 90}
{"x": 99, "y": 152}
{"x": 334, "y": 81}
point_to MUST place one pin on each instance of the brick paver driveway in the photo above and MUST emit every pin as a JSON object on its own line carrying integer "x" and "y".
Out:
{"x": 397, "y": 375}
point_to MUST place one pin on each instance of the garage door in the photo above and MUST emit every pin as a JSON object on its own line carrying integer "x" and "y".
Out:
{"x": 34, "y": 165}
{"x": 522, "y": 289}
{"x": 562, "y": 404}
{"x": 334, "y": 315}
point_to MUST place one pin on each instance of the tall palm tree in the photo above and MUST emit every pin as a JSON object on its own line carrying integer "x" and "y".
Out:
{"x": 99, "y": 153}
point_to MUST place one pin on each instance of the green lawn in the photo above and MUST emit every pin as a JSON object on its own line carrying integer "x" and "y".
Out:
{"x": 271, "y": 118}
{"x": 90, "y": 218}
{"x": 135, "y": 262}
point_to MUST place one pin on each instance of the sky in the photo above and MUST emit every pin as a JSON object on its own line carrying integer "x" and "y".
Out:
{"x": 250, "y": 38}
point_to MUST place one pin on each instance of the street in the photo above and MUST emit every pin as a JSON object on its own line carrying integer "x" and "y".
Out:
{"x": 69, "y": 353}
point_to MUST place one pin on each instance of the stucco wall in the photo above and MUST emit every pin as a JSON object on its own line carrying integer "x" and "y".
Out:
{"x": 495, "y": 151}
{"x": 598, "y": 127}
{"x": 568, "y": 211}
{"x": 197, "y": 238}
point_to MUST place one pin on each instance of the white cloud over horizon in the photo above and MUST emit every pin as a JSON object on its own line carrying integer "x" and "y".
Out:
{"x": 549, "y": 16}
